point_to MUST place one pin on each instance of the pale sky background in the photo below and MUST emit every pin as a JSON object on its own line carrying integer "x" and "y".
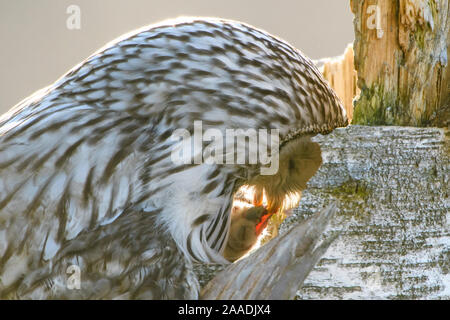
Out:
{"x": 36, "y": 47}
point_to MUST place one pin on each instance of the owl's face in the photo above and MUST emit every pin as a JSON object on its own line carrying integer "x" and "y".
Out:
{"x": 299, "y": 159}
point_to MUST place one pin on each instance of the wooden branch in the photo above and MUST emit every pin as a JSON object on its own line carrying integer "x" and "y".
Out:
{"x": 278, "y": 269}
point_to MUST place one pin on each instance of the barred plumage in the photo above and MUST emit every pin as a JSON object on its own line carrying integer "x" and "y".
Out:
{"x": 86, "y": 176}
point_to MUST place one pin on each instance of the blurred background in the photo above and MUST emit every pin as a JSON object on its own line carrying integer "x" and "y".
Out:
{"x": 36, "y": 47}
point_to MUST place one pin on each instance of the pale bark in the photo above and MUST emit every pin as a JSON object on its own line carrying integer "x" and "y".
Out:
{"x": 393, "y": 188}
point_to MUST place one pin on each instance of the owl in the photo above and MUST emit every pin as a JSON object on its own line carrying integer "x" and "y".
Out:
{"x": 93, "y": 204}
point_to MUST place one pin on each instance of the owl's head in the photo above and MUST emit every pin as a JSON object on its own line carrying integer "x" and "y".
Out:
{"x": 298, "y": 161}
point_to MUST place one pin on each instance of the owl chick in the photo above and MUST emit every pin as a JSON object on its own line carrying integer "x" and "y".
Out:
{"x": 87, "y": 181}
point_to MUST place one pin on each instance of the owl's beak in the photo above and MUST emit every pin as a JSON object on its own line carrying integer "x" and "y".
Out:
{"x": 263, "y": 223}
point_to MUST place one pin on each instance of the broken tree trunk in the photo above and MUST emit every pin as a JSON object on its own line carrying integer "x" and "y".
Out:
{"x": 401, "y": 50}
{"x": 341, "y": 75}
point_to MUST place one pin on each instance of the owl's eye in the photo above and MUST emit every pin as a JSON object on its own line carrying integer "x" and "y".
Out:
{"x": 291, "y": 164}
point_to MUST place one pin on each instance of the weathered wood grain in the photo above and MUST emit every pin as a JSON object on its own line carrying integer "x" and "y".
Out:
{"x": 401, "y": 56}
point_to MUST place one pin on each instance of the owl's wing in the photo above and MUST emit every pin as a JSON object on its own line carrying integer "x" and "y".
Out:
{"x": 62, "y": 172}
{"x": 129, "y": 258}
{"x": 73, "y": 172}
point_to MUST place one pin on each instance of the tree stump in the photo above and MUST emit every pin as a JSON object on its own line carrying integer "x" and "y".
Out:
{"x": 401, "y": 50}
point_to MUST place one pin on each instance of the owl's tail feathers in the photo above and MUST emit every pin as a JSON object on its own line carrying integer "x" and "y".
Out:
{"x": 278, "y": 269}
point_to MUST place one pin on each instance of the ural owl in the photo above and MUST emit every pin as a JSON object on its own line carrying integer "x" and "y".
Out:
{"x": 86, "y": 173}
